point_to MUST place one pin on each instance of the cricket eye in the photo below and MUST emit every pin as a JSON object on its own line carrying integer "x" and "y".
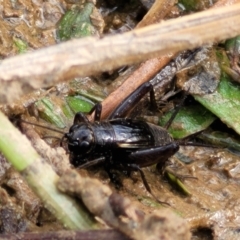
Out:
{"x": 84, "y": 144}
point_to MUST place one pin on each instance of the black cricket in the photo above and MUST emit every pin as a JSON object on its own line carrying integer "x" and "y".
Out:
{"x": 119, "y": 143}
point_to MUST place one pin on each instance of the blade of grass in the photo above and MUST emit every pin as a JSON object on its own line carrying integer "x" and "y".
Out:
{"x": 41, "y": 177}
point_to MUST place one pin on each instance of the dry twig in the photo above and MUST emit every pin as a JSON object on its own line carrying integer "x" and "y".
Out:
{"x": 45, "y": 67}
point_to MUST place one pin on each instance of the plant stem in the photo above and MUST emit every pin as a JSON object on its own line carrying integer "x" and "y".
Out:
{"x": 41, "y": 178}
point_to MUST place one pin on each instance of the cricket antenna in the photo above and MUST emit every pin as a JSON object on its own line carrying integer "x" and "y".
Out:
{"x": 185, "y": 141}
{"x": 179, "y": 106}
{"x": 42, "y": 126}
{"x": 197, "y": 144}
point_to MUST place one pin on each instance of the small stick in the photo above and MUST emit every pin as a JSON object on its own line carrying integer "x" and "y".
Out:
{"x": 83, "y": 57}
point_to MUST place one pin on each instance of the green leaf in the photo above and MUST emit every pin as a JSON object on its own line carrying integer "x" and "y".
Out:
{"x": 48, "y": 111}
{"x": 224, "y": 103}
{"x": 88, "y": 88}
{"x": 222, "y": 58}
{"x": 221, "y": 139}
{"x": 178, "y": 183}
{"x": 76, "y": 23}
{"x": 233, "y": 45}
{"x": 190, "y": 5}
{"x": 79, "y": 104}
{"x": 20, "y": 44}
{"x": 67, "y": 111}
{"x": 189, "y": 120}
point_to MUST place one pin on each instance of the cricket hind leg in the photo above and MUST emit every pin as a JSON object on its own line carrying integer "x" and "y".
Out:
{"x": 135, "y": 167}
{"x": 132, "y": 100}
{"x": 113, "y": 172}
